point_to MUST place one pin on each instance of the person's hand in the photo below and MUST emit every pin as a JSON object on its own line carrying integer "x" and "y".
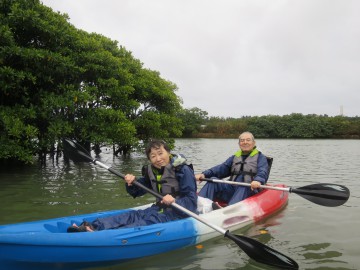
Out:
{"x": 199, "y": 176}
{"x": 168, "y": 199}
{"x": 129, "y": 178}
{"x": 255, "y": 184}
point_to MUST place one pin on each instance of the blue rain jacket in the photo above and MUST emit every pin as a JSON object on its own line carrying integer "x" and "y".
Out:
{"x": 230, "y": 193}
{"x": 187, "y": 198}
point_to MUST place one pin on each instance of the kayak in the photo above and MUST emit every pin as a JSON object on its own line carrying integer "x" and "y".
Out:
{"x": 45, "y": 244}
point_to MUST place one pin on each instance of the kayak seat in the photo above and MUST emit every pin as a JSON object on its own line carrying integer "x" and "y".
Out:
{"x": 270, "y": 162}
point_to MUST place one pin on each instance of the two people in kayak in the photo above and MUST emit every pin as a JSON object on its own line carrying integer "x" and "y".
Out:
{"x": 170, "y": 176}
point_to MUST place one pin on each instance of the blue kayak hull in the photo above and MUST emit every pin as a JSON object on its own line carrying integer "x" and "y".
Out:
{"x": 50, "y": 243}
{"x": 45, "y": 244}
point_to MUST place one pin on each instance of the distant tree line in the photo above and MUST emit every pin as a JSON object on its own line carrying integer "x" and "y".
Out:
{"x": 57, "y": 82}
{"x": 295, "y": 125}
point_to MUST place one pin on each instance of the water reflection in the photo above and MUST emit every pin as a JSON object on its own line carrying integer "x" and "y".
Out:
{"x": 320, "y": 254}
{"x": 218, "y": 253}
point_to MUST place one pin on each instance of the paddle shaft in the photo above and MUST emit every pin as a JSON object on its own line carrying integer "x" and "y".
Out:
{"x": 244, "y": 184}
{"x": 288, "y": 189}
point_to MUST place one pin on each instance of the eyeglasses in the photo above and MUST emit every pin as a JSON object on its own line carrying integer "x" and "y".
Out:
{"x": 246, "y": 140}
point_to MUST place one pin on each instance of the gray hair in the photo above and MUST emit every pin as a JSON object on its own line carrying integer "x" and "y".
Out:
{"x": 247, "y": 132}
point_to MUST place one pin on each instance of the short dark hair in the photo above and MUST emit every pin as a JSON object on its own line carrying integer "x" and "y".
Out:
{"x": 156, "y": 144}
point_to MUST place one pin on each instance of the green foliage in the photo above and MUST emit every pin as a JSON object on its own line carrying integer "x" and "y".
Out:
{"x": 192, "y": 119}
{"x": 18, "y": 139}
{"x": 288, "y": 126}
{"x": 57, "y": 81}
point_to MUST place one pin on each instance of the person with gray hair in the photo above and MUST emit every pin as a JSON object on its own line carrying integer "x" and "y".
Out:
{"x": 248, "y": 165}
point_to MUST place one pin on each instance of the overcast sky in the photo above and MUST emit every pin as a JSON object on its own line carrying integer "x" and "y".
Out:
{"x": 233, "y": 58}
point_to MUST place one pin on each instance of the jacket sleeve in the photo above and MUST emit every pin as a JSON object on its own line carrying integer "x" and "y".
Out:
{"x": 262, "y": 174}
{"x": 220, "y": 171}
{"x": 136, "y": 191}
{"x": 187, "y": 189}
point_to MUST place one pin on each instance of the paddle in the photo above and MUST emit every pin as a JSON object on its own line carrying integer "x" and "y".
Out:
{"x": 323, "y": 194}
{"x": 254, "y": 249}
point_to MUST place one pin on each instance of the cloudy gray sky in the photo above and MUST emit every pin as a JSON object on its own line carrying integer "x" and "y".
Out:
{"x": 233, "y": 58}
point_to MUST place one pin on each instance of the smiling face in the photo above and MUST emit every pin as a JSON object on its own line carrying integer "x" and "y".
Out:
{"x": 159, "y": 157}
{"x": 246, "y": 142}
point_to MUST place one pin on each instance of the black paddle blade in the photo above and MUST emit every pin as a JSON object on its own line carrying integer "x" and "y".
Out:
{"x": 262, "y": 253}
{"x": 75, "y": 151}
{"x": 324, "y": 194}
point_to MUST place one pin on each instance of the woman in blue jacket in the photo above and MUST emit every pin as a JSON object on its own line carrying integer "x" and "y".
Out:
{"x": 166, "y": 174}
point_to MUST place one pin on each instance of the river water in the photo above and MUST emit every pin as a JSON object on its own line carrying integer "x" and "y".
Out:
{"x": 317, "y": 237}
